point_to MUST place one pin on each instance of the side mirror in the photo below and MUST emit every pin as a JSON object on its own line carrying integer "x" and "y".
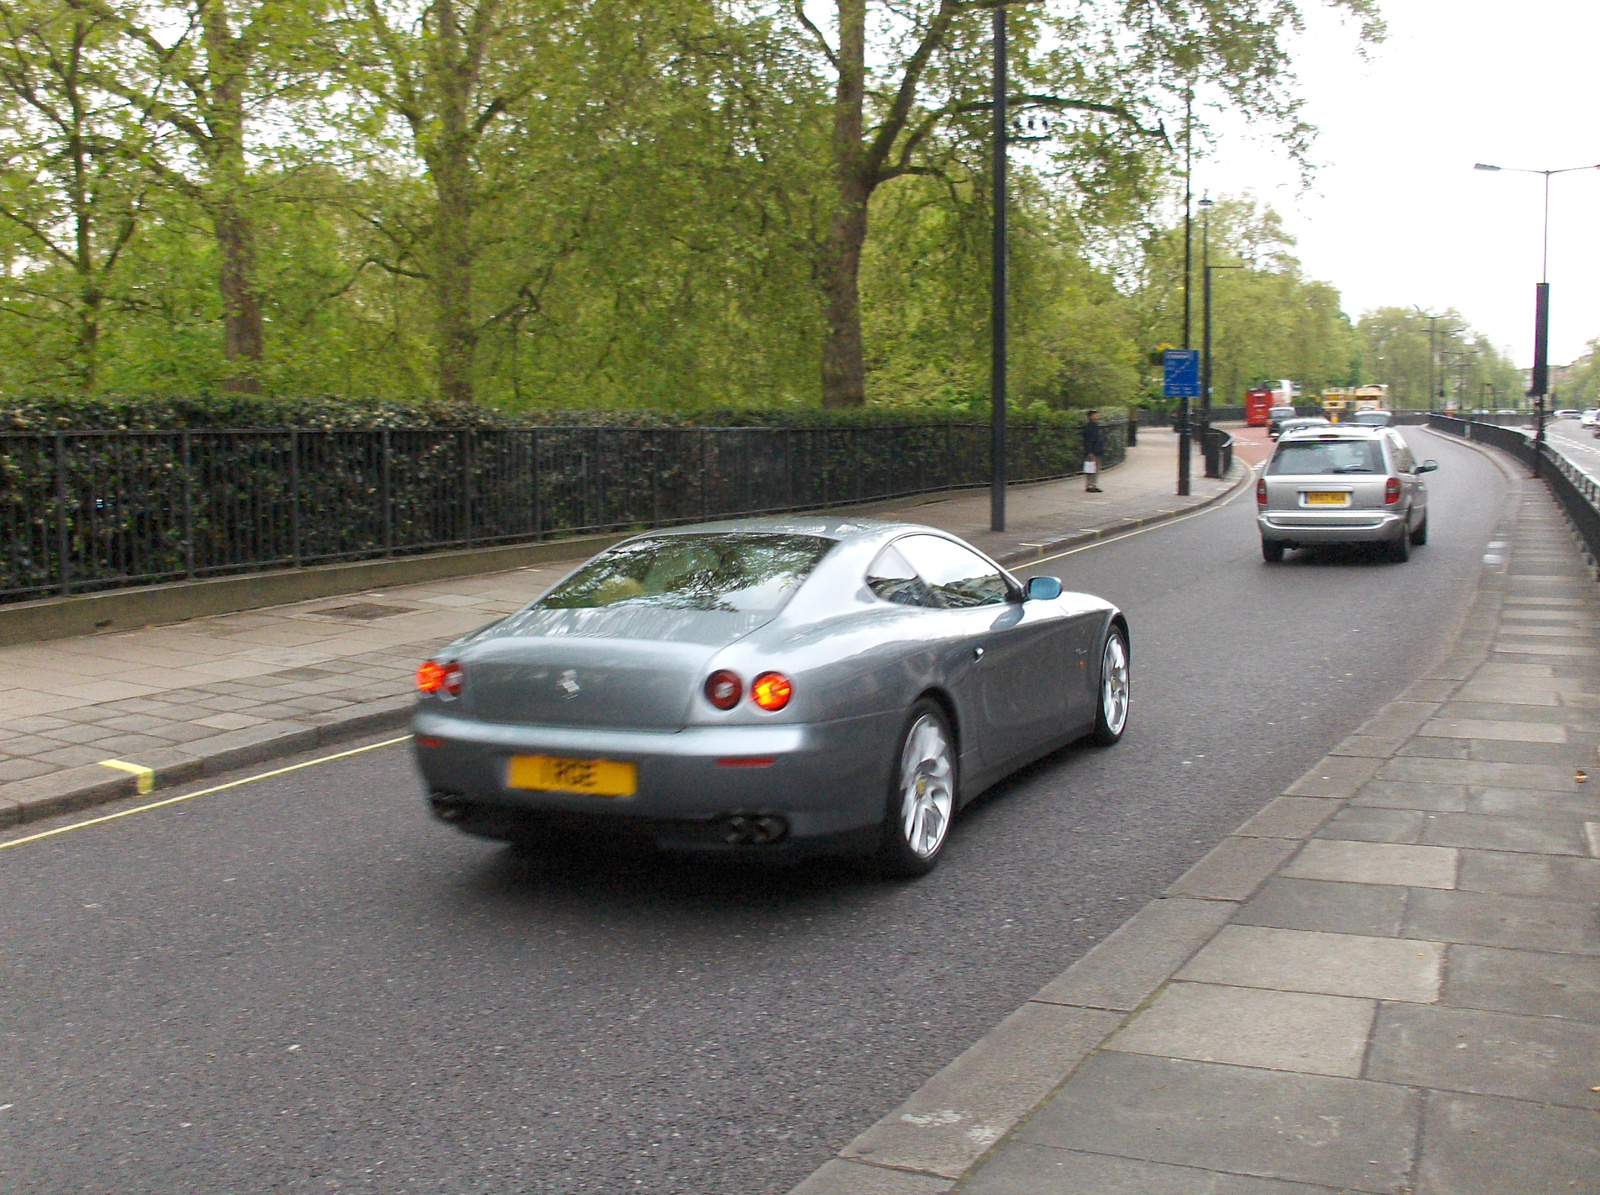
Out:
{"x": 1043, "y": 588}
{"x": 1427, "y": 466}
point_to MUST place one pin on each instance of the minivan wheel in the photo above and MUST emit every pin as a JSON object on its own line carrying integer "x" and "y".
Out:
{"x": 1420, "y": 535}
{"x": 1272, "y": 550}
{"x": 1400, "y": 549}
{"x": 1116, "y": 690}
{"x": 922, "y": 794}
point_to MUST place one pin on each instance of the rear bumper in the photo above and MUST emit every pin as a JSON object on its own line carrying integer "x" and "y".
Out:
{"x": 825, "y": 780}
{"x": 1301, "y": 530}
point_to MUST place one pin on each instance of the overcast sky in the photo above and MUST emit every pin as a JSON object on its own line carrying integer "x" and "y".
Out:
{"x": 1396, "y": 215}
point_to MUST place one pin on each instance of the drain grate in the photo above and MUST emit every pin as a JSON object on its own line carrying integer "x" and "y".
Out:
{"x": 364, "y": 611}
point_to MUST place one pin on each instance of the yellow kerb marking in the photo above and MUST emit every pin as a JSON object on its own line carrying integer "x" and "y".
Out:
{"x": 147, "y": 777}
{"x": 204, "y": 792}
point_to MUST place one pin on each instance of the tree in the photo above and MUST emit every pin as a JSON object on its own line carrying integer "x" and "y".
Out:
{"x": 1112, "y": 65}
{"x": 205, "y": 69}
{"x": 70, "y": 182}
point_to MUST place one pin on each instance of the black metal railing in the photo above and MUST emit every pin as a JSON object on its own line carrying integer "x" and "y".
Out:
{"x": 1577, "y": 492}
{"x": 87, "y": 511}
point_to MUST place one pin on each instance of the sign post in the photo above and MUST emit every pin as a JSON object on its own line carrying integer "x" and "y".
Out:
{"x": 1181, "y": 380}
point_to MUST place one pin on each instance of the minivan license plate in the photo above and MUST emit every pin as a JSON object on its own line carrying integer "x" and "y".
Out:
{"x": 552, "y": 773}
{"x": 1327, "y": 498}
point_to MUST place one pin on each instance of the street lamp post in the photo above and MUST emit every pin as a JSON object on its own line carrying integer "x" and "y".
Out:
{"x": 1541, "y": 309}
{"x": 1206, "y": 269}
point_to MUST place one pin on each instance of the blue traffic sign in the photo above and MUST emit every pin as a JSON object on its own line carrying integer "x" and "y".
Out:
{"x": 1182, "y": 369}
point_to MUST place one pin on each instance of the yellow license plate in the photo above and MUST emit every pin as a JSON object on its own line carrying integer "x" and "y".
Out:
{"x": 1327, "y": 498}
{"x": 551, "y": 773}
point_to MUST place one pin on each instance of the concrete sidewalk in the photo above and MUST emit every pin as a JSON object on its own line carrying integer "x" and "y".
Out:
{"x": 1388, "y": 980}
{"x": 93, "y": 718}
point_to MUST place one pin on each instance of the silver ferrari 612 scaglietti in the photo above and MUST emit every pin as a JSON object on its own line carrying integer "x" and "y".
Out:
{"x": 767, "y": 685}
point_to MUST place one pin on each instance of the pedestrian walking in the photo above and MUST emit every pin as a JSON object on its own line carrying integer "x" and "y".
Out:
{"x": 1094, "y": 447}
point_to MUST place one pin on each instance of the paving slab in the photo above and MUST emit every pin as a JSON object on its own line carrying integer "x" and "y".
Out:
{"x": 1530, "y": 982}
{"x": 1489, "y": 919}
{"x": 844, "y": 1177}
{"x": 1121, "y": 972}
{"x": 1347, "y": 1134}
{"x": 1366, "y": 824}
{"x": 1287, "y": 817}
{"x": 957, "y": 1115}
{"x": 1581, "y": 804}
{"x": 1375, "y": 863}
{"x": 1335, "y": 776}
{"x": 1486, "y": 1053}
{"x": 1277, "y": 1030}
{"x": 1479, "y": 1145}
{"x": 1371, "y": 909}
{"x": 1390, "y": 794}
{"x": 1037, "y": 1169}
{"x": 1528, "y": 835}
{"x": 1334, "y": 964}
{"x": 1233, "y": 869}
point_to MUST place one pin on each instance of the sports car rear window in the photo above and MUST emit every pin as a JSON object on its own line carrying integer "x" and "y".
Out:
{"x": 733, "y": 571}
{"x": 1303, "y": 457}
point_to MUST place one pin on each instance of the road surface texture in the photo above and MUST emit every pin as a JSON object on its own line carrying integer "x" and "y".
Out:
{"x": 304, "y": 984}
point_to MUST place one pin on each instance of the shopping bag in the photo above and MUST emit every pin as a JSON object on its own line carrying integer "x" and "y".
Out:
{"x": 1091, "y": 467}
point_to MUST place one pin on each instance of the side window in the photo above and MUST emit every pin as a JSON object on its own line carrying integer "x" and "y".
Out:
{"x": 892, "y": 579}
{"x": 1403, "y": 459}
{"x": 957, "y": 576}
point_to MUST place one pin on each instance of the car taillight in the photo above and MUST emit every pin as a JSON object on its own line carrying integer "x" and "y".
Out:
{"x": 771, "y": 691}
{"x": 444, "y": 679}
{"x": 1391, "y": 491}
{"x": 1261, "y": 492}
{"x": 723, "y": 689}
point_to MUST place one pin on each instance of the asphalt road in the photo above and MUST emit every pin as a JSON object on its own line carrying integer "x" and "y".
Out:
{"x": 305, "y": 984}
{"x": 1575, "y": 442}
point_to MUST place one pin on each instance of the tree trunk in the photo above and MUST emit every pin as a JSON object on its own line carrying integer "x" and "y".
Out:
{"x": 452, "y": 278}
{"x": 450, "y": 163}
{"x": 838, "y": 272}
{"x": 227, "y": 62}
{"x": 241, "y": 310}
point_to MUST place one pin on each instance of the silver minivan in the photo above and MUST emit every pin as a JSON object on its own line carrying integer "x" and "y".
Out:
{"x": 1343, "y": 485}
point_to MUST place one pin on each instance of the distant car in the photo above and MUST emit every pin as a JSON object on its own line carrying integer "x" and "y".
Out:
{"x": 1275, "y": 418}
{"x": 767, "y": 686}
{"x": 1372, "y": 418}
{"x": 1567, "y": 413}
{"x": 1302, "y": 422}
{"x": 1343, "y": 485}
{"x": 1590, "y": 418}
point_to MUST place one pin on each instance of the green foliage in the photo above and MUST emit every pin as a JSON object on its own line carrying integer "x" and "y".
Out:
{"x": 1467, "y": 370}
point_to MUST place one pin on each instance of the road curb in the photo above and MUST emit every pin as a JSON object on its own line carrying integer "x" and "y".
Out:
{"x": 56, "y": 793}
{"x": 1066, "y": 543}
{"x": 960, "y": 1116}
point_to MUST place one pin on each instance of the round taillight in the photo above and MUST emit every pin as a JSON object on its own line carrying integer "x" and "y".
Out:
{"x": 1391, "y": 491}
{"x": 444, "y": 679}
{"x": 771, "y": 691}
{"x": 1261, "y": 492}
{"x": 723, "y": 689}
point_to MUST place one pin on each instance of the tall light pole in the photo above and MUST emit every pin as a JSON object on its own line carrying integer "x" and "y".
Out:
{"x": 1433, "y": 352}
{"x": 1541, "y": 308}
{"x": 1205, "y": 349}
{"x": 997, "y": 292}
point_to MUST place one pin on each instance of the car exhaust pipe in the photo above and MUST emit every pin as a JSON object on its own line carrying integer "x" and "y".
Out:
{"x": 449, "y": 808}
{"x": 746, "y": 829}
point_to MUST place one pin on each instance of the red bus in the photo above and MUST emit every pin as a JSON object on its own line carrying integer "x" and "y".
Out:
{"x": 1256, "y": 405}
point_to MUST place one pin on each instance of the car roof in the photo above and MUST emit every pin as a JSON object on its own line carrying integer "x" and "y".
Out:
{"x": 1337, "y": 431}
{"x": 844, "y": 530}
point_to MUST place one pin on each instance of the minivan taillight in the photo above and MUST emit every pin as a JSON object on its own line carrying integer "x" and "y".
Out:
{"x": 1391, "y": 491}
{"x": 1261, "y": 492}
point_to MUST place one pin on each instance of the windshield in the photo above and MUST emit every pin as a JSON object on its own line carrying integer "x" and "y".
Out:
{"x": 1282, "y": 412}
{"x": 741, "y": 573}
{"x": 1327, "y": 456}
{"x": 1373, "y": 418}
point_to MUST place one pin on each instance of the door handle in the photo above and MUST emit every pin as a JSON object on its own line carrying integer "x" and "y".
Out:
{"x": 977, "y": 653}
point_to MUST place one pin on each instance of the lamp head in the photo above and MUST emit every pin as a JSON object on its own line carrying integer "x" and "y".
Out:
{"x": 1205, "y": 202}
{"x": 1484, "y": 166}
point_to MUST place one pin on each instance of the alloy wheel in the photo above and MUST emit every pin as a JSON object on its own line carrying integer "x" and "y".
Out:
{"x": 927, "y": 793}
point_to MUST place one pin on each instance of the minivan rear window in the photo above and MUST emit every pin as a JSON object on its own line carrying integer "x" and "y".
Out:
{"x": 1302, "y": 457}
{"x": 731, "y": 571}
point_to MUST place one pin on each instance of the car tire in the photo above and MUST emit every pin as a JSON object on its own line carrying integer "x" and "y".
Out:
{"x": 1272, "y": 550}
{"x": 1420, "y": 535}
{"x": 1400, "y": 549}
{"x": 1116, "y": 690}
{"x": 922, "y": 787}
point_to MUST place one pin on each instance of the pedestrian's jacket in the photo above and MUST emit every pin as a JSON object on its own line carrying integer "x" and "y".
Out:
{"x": 1094, "y": 442}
